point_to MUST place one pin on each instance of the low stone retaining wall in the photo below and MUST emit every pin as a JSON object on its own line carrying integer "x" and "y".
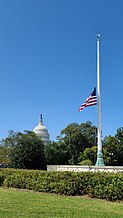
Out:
{"x": 76, "y": 168}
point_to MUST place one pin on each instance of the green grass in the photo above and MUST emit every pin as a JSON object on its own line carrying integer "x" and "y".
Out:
{"x": 17, "y": 203}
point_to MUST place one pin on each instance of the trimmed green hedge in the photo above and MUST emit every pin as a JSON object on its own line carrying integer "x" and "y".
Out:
{"x": 107, "y": 186}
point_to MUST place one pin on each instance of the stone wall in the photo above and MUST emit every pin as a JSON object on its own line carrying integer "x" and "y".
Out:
{"x": 76, "y": 168}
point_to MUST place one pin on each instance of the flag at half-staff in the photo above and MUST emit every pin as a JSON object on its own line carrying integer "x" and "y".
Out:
{"x": 90, "y": 101}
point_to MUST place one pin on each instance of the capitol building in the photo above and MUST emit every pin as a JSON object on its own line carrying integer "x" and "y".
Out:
{"x": 41, "y": 131}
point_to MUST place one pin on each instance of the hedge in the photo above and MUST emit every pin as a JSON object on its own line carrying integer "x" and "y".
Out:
{"x": 101, "y": 185}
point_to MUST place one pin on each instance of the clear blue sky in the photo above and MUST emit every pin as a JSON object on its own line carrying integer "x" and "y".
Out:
{"x": 48, "y": 63}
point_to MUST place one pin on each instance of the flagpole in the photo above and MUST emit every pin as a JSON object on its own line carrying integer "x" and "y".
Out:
{"x": 99, "y": 161}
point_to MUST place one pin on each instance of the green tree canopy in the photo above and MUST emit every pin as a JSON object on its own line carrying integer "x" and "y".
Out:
{"x": 113, "y": 148}
{"x": 89, "y": 154}
{"x": 119, "y": 149}
{"x": 110, "y": 150}
{"x": 4, "y": 156}
{"x": 77, "y": 138}
{"x": 57, "y": 153}
{"x": 27, "y": 150}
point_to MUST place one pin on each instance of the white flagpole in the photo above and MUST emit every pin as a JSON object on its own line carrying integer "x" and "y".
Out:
{"x": 99, "y": 161}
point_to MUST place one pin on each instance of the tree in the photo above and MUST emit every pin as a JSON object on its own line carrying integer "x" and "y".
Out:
{"x": 27, "y": 150}
{"x": 57, "y": 153}
{"x": 110, "y": 145}
{"x": 89, "y": 154}
{"x": 77, "y": 138}
{"x": 119, "y": 150}
{"x": 89, "y": 131}
{"x": 4, "y": 156}
{"x": 113, "y": 148}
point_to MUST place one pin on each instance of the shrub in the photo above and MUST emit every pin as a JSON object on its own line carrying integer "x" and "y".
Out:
{"x": 1, "y": 180}
{"x": 107, "y": 186}
{"x": 86, "y": 162}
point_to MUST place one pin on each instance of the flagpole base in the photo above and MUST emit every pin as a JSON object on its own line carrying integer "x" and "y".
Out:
{"x": 100, "y": 161}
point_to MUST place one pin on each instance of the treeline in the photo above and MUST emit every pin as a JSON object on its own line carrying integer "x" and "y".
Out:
{"x": 76, "y": 144}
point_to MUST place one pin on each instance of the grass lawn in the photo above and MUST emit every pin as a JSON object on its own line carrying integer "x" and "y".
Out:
{"x": 17, "y": 203}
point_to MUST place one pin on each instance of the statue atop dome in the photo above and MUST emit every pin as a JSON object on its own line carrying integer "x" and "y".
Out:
{"x": 42, "y": 131}
{"x": 41, "y": 119}
{"x": 41, "y": 116}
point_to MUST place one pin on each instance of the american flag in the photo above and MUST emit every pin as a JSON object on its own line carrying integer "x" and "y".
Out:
{"x": 90, "y": 101}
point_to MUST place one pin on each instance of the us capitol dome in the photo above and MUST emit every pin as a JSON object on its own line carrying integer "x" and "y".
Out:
{"x": 41, "y": 131}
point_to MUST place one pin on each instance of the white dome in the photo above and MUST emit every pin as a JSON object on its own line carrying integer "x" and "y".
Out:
{"x": 42, "y": 132}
